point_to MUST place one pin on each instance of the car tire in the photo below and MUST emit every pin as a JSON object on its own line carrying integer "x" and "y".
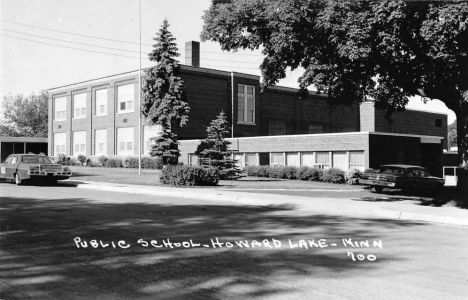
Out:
{"x": 378, "y": 189}
{"x": 18, "y": 179}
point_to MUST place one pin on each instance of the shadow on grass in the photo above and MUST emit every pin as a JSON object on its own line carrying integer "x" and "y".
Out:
{"x": 39, "y": 258}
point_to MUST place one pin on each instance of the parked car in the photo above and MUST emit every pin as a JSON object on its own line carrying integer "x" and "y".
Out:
{"x": 401, "y": 177}
{"x": 24, "y": 167}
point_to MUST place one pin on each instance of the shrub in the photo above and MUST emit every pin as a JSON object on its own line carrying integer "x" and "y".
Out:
{"x": 130, "y": 162}
{"x": 73, "y": 162}
{"x": 370, "y": 170}
{"x": 252, "y": 170}
{"x": 333, "y": 175}
{"x": 62, "y": 159}
{"x": 353, "y": 174}
{"x": 313, "y": 174}
{"x": 82, "y": 159}
{"x": 151, "y": 163}
{"x": 102, "y": 160}
{"x": 272, "y": 172}
{"x": 287, "y": 172}
{"x": 181, "y": 175}
{"x": 114, "y": 163}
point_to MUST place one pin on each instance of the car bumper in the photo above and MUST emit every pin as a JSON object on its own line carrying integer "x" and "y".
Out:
{"x": 377, "y": 183}
{"x": 55, "y": 175}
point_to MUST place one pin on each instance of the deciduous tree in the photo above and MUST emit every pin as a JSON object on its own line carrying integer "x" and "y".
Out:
{"x": 355, "y": 50}
{"x": 25, "y": 116}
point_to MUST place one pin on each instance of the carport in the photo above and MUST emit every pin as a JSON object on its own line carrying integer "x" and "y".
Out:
{"x": 11, "y": 145}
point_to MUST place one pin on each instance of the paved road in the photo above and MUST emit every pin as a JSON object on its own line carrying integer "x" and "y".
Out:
{"x": 40, "y": 259}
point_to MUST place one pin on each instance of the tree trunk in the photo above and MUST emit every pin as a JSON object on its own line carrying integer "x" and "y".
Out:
{"x": 462, "y": 143}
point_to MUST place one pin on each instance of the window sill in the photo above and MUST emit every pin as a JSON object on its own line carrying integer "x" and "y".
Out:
{"x": 79, "y": 118}
{"x": 61, "y": 120}
{"x": 246, "y": 123}
{"x": 124, "y": 112}
{"x": 100, "y": 115}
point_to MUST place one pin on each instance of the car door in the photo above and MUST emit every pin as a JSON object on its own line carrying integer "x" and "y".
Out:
{"x": 10, "y": 168}
{"x": 3, "y": 166}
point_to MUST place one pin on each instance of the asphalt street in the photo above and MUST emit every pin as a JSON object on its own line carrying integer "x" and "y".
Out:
{"x": 60, "y": 242}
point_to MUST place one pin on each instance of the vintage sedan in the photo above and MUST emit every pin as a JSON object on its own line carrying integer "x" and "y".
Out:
{"x": 401, "y": 177}
{"x": 24, "y": 167}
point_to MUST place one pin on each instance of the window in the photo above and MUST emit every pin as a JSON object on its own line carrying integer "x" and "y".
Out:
{"x": 14, "y": 160}
{"x": 100, "y": 142}
{"x": 8, "y": 160}
{"x": 251, "y": 159}
{"x": 277, "y": 128}
{"x": 60, "y": 142}
{"x": 340, "y": 160}
{"x": 292, "y": 159}
{"x": 148, "y": 133}
{"x": 356, "y": 160}
{"x": 313, "y": 129}
{"x": 101, "y": 102}
{"x": 438, "y": 123}
{"x": 323, "y": 159}
{"x": 79, "y": 106}
{"x": 308, "y": 159}
{"x": 79, "y": 143}
{"x": 193, "y": 159}
{"x": 60, "y": 105}
{"x": 246, "y": 104}
{"x": 125, "y": 96}
{"x": 239, "y": 158}
{"x": 277, "y": 159}
{"x": 125, "y": 141}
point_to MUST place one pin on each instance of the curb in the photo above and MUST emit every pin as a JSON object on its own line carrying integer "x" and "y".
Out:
{"x": 275, "y": 201}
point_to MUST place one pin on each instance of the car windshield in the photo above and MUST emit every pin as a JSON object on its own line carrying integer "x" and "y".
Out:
{"x": 37, "y": 159}
{"x": 392, "y": 170}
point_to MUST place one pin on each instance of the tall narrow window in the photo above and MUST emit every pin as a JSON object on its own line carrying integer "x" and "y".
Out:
{"x": 59, "y": 143}
{"x": 79, "y": 143}
{"x": 125, "y": 97}
{"x": 79, "y": 106}
{"x": 322, "y": 159}
{"x": 246, "y": 104}
{"x": 357, "y": 160}
{"x": 60, "y": 105}
{"x": 101, "y": 102}
{"x": 100, "y": 142}
{"x": 125, "y": 141}
{"x": 148, "y": 133}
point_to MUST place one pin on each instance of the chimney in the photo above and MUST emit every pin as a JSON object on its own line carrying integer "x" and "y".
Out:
{"x": 192, "y": 53}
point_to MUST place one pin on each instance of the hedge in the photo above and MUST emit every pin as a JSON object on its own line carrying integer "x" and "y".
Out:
{"x": 332, "y": 175}
{"x": 181, "y": 175}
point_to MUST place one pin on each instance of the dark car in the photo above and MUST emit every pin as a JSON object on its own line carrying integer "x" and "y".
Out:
{"x": 401, "y": 177}
{"x": 23, "y": 167}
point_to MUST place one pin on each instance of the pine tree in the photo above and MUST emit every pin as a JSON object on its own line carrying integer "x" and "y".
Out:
{"x": 215, "y": 146}
{"x": 164, "y": 100}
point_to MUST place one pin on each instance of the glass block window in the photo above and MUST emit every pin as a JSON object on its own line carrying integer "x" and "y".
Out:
{"x": 79, "y": 106}
{"x": 100, "y": 142}
{"x": 79, "y": 143}
{"x": 125, "y": 141}
{"x": 59, "y": 143}
{"x": 60, "y": 105}
{"x": 101, "y": 102}
{"x": 125, "y": 98}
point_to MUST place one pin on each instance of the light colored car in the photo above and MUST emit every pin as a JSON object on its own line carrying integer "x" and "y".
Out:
{"x": 401, "y": 177}
{"x": 24, "y": 167}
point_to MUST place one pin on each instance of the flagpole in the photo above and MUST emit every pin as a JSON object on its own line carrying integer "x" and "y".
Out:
{"x": 139, "y": 93}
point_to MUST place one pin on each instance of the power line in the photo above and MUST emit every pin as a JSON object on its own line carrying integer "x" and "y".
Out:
{"x": 112, "y": 40}
{"x": 69, "y": 41}
{"x": 60, "y": 40}
{"x": 68, "y": 47}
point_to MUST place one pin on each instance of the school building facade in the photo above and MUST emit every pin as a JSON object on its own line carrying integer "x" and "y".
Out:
{"x": 275, "y": 127}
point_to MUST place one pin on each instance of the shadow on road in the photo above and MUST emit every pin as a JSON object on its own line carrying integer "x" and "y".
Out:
{"x": 39, "y": 258}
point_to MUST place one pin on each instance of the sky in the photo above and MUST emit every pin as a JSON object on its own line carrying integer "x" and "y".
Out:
{"x": 40, "y": 40}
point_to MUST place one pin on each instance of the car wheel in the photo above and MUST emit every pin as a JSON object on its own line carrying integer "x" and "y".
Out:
{"x": 18, "y": 179}
{"x": 378, "y": 189}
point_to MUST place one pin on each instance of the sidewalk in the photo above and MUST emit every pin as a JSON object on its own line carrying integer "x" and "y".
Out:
{"x": 343, "y": 205}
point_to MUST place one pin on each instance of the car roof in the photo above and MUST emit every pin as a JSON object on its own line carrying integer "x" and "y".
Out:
{"x": 401, "y": 166}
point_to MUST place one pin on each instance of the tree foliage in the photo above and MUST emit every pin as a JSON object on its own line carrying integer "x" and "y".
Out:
{"x": 25, "y": 116}
{"x": 354, "y": 50}
{"x": 452, "y": 134}
{"x": 164, "y": 100}
{"x": 215, "y": 146}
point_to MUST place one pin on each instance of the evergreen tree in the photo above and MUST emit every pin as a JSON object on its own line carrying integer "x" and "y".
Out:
{"x": 164, "y": 100}
{"x": 215, "y": 146}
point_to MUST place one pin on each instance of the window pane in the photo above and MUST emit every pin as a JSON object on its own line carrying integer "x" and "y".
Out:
{"x": 82, "y": 147}
{"x": 277, "y": 158}
{"x": 122, "y": 146}
{"x": 241, "y": 88}
{"x": 308, "y": 159}
{"x": 250, "y": 90}
{"x": 63, "y": 148}
{"x": 251, "y": 159}
{"x": 323, "y": 158}
{"x": 292, "y": 159}
{"x": 102, "y": 109}
{"x": 57, "y": 149}
{"x": 129, "y": 145}
{"x": 240, "y": 115}
{"x": 83, "y": 112}
{"x": 122, "y": 105}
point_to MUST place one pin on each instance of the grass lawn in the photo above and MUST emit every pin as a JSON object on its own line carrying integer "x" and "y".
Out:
{"x": 151, "y": 177}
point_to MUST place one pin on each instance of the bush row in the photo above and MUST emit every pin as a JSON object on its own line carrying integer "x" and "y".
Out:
{"x": 332, "y": 175}
{"x": 182, "y": 175}
{"x": 104, "y": 161}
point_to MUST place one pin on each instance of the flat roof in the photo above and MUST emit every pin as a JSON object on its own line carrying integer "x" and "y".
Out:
{"x": 23, "y": 139}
